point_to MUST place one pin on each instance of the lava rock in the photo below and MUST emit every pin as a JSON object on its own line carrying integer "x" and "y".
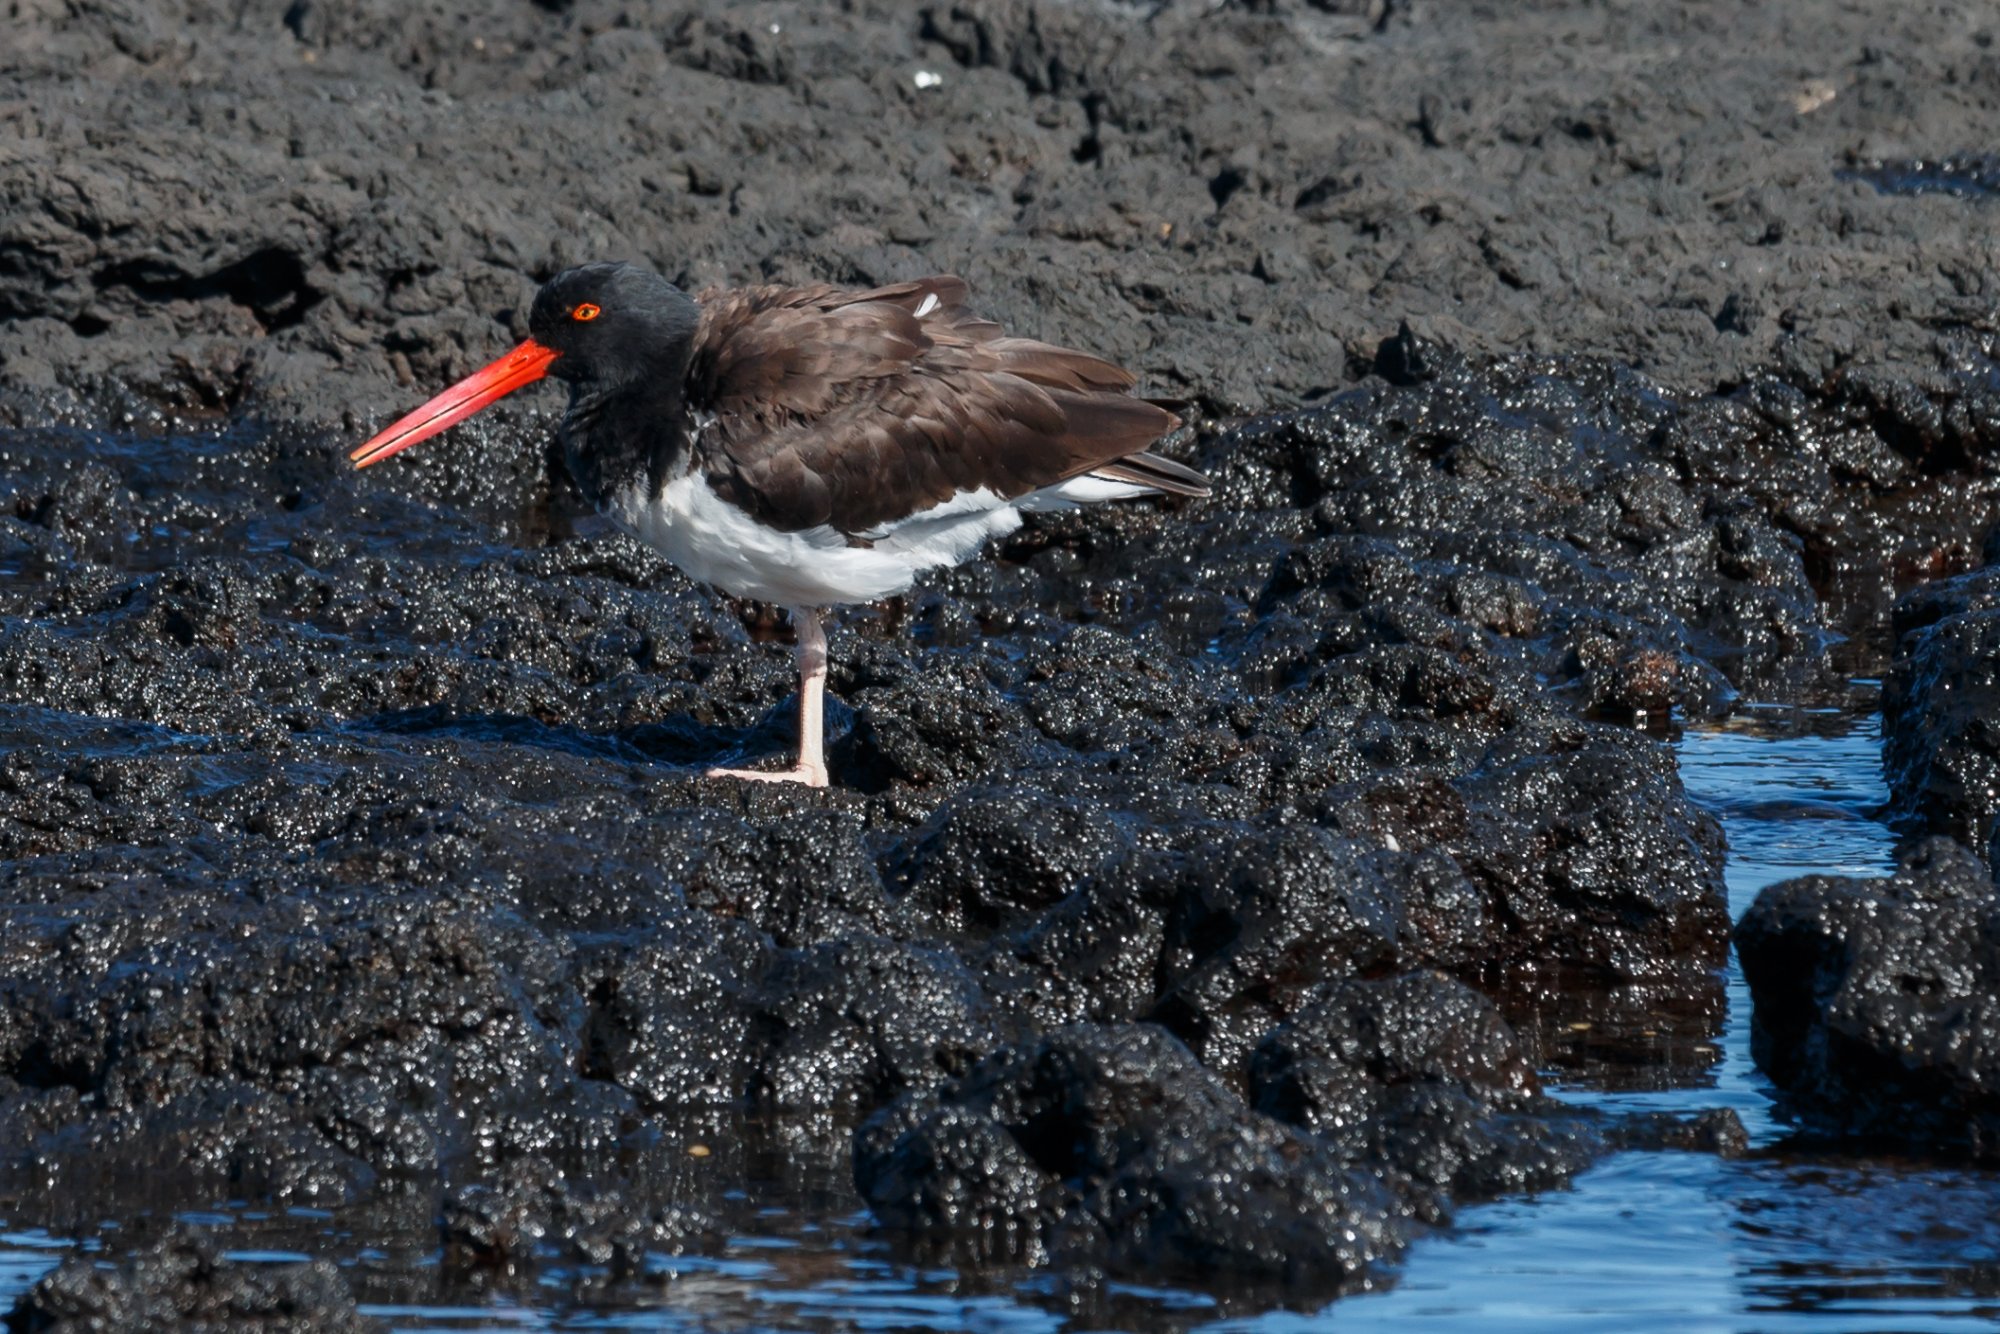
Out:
{"x": 1878, "y": 1001}
{"x": 1250, "y": 924}
{"x": 1941, "y": 748}
{"x": 672, "y": 1014}
{"x": 183, "y": 1282}
{"x": 1419, "y": 1071}
{"x": 1114, "y": 1145}
{"x": 306, "y": 259}
{"x": 850, "y": 1025}
{"x": 352, "y": 830}
{"x": 1589, "y": 844}
{"x": 532, "y": 1208}
{"x": 988, "y": 858}
{"x": 320, "y": 1022}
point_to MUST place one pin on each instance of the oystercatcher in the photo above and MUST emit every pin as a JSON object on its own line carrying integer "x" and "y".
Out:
{"x": 814, "y": 445}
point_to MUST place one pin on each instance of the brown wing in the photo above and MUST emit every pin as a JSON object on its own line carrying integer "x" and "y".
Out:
{"x": 851, "y": 409}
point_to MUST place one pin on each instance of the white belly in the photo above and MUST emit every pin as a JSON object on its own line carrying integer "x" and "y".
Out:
{"x": 716, "y": 543}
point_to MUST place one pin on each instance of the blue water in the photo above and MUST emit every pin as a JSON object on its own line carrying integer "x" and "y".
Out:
{"x": 1777, "y": 1240}
{"x": 1963, "y": 176}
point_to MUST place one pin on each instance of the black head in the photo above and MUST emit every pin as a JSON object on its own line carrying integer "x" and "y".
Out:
{"x": 608, "y": 329}
{"x": 612, "y": 324}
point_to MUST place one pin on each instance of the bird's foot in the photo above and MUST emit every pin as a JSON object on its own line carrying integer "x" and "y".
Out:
{"x": 812, "y": 775}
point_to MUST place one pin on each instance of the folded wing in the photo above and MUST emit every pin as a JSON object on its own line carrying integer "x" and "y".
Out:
{"x": 863, "y": 409}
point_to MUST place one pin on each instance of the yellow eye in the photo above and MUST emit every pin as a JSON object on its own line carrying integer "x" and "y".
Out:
{"x": 586, "y": 311}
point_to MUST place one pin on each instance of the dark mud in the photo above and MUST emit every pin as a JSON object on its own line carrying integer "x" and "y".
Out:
{"x": 354, "y": 849}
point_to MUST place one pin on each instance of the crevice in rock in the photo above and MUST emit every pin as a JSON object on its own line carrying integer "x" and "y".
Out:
{"x": 270, "y": 283}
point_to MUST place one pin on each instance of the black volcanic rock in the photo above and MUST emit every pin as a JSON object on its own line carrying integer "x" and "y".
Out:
{"x": 1420, "y": 1072}
{"x": 184, "y": 1283}
{"x": 1878, "y": 1001}
{"x": 1254, "y": 250}
{"x": 1371, "y": 1112}
{"x": 353, "y": 844}
{"x": 531, "y": 1208}
{"x": 1942, "y": 741}
{"x": 1114, "y": 1145}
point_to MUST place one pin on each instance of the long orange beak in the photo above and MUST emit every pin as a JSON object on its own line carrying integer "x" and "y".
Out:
{"x": 524, "y": 365}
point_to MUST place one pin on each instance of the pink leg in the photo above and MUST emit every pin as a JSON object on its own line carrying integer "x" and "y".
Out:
{"x": 811, "y": 768}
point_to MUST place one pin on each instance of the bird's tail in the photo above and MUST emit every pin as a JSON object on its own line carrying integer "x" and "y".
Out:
{"x": 1160, "y": 474}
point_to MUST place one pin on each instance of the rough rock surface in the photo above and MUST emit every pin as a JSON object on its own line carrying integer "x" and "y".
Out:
{"x": 1941, "y": 712}
{"x": 402, "y": 855}
{"x": 1421, "y": 1073}
{"x": 1113, "y": 1143}
{"x": 1878, "y": 1001}
{"x": 308, "y": 206}
{"x": 182, "y": 1283}
{"x": 1369, "y": 1112}
{"x": 352, "y": 846}
{"x": 532, "y": 1207}
{"x": 355, "y": 838}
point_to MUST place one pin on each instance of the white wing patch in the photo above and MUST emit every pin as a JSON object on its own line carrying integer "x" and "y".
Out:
{"x": 929, "y": 304}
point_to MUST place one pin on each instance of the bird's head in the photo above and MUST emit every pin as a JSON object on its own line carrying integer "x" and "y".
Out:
{"x": 596, "y": 326}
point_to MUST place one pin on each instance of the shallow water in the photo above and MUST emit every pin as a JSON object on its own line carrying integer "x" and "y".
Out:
{"x": 1780, "y": 1239}
{"x": 1787, "y": 1237}
{"x": 1964, "y": 175}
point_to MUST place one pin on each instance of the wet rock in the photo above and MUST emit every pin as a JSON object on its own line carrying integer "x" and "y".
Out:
{"x": 352, "y": 829}
{"x": 1588, "y": 843}
{"x": 1250, "y": 924}
{"x": 1279, "y": 753}
{"x": 1372, "y": 1110}
{"x": 1941, "y": 748}
{"x": 803, "y": 879}
{"x": 1114, "y": 1145}
{"x": 850, "y": 1025}
{"x": 534, "y": 1209}
{"x": 913, "y": 726}
{"x": 672, "y": 1016}
{"x": 1420, "y": 1072}
{"x": 1876, "y": 1007}
{"x": 1717, "y": 1130}
{"x": 1349, "y": 719}
{"x": 323, "y": 1034}
{"x": 183, "y": 1282}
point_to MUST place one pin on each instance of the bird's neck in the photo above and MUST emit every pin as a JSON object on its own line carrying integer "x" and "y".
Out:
{"x": 621, "y": 436}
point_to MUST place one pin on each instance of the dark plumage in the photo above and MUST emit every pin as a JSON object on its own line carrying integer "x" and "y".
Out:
{"x": 844, "y": 408}
{"x": 812, "y": 445}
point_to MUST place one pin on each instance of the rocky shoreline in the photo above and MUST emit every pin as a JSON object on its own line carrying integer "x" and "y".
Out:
{"x": 1193, "y": 868}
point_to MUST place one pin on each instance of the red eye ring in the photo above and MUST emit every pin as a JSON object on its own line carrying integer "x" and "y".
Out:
{"x": 586, "y": 311}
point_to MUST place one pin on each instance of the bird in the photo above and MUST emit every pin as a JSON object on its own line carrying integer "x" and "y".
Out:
{"x": 813, "y": 446}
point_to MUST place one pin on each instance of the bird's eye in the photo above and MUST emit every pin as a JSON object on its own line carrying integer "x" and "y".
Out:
{"x": 586, "y": 311}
